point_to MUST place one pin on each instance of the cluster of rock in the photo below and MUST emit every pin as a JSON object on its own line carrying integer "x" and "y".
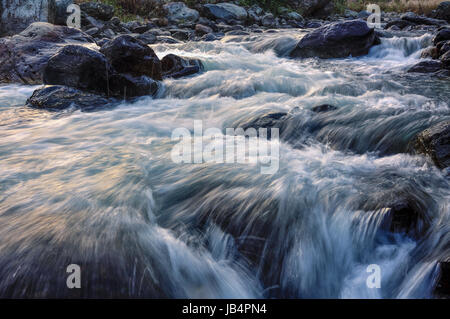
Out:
{"x": 124, "y": 67}
{"x": 437, "y": 56}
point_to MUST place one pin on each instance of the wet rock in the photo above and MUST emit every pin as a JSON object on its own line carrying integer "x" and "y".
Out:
{"x": 130, "y": 55}
{"x": 79, "y": 67}
{"x": 430, "y": 52}
{"x": 442, "y": 11}
{"x": 98, "y": 10}
{"x": 179, "y": 34}
{"x": 435, "y": 143}
{"x": 225, "y": 11}
{"x": 323, "y": 108}
{"x": 201, "y": 29}
{"x": 276, "y": 120}
{"x": 174, "y": 66}
{"x": 62, "y": 97}
{"x": 23, "y": 57}
{"x": 209, "y": 37}
{"x": 445, "y": 59}
{"x": 443, "y": 282}
{"x": 167, "y": 39}
{"x": 426, "y": 67}
{"x": 337, "y": 40}
{"x": 129, "y": 86}
{"x": 398, "y": 24}
{"x": 442, "y": 35}
{"x": 404, "y": 216}
{"x": 442, "y": 47}
{"x": 178, "y": 12}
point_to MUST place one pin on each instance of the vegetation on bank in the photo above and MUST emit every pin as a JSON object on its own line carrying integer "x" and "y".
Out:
{"x": 133, "y": 9}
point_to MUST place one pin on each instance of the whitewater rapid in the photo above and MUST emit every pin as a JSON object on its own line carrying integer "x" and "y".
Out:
{"x": 99, "y": 189}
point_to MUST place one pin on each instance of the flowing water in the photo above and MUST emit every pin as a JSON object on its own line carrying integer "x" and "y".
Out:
{"x": 99, "y": 189}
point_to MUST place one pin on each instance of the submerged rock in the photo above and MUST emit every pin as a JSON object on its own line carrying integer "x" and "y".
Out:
{"x": 62, "y": 97}
{"x": 130, "y": 55}
{"x": 435, "y": 143}
{"x": 175, "y": 67}
{"x": 337, "y": 40}
{"x": 24, "y": 56}
{"x": 430, "y": 66}
{"x": 275, "y": 120}
{"x": 323, "y": 108}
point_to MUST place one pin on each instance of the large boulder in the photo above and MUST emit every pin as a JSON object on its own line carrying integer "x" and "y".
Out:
{"x": 130, "y": 55}
{"x": 79, "y": 67}
{"x": 88, "y": 70}
{"x": 316, "y": 8}
{"x": 17, "y": 15}
{"x": 442, "y": 11}
{"x": 174, "y": 66}
{"x": 435, "y": 143}
{"x": 225, "y": 11}
{"x": 98, "y": 10}
{"x": 23, "y": 57}
{"x": 337, "y": 40}
{"x": 178, "y": 12}
{"x": 59, "y": 97}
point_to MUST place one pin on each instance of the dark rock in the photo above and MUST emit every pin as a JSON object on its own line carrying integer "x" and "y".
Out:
{"x": 442, "y": 35}
{"x": 237, "y": 32}
{"x": 430, "y": 52}
{"x": 444, "y": 47}
{"x": 414, "y": 18}
{"x": 337, "y": 40}
{"x": 79, "y": 67}
{"x": 128, "y": 86}
{"x": 23, "y": 57}
{"x": 167, "y": 39}
{"x": 209, "y": 37}
{"x": 179, "y": 34}
{"x": 404, "y": 216}
{"x": 132, "y": 56}
{"x": 426, "y": 67}
{"x": 268, "y": 121}
{"x": 323, "y": 108}
{"x": 268, "y": 20}
{"x": 98, "y": 10}
{"x": 201, "y": 29}
{"x": 225, "y": 11}
{"x": 445, "y": 59}
{"x": 62, "y": 97}
{"x": 435, "y": 143}
{"x": 175, "y": 67}
{"x": 400, "y": 24}
{"x": 443, "y": 281}
{"x": 442, "y": 11}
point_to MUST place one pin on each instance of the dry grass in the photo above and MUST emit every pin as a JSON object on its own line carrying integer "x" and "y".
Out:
{"x": 417, "y": 6}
